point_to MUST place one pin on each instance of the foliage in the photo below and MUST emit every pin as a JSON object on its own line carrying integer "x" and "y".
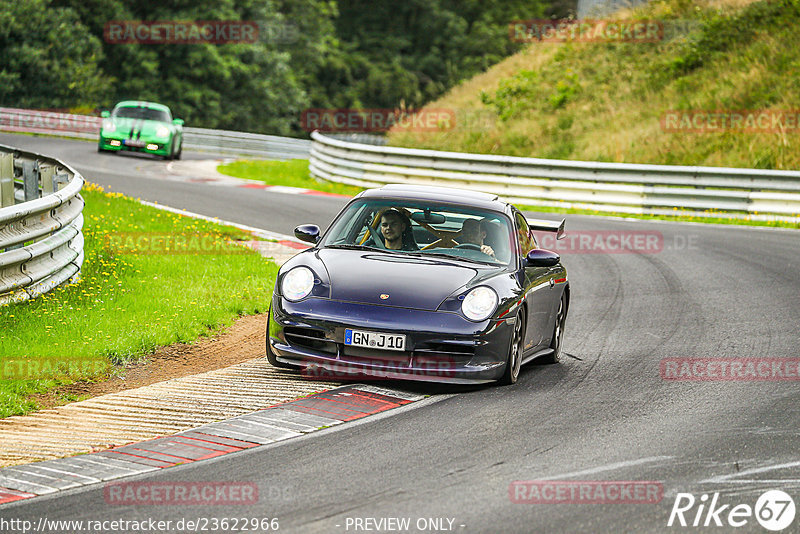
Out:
{"x": 47, "y": 59}
{"x": 292, "y": 173}
{"x": 607, "y": 101}
{"x": 131, "y": 300}
{"x": 310, "y": 53}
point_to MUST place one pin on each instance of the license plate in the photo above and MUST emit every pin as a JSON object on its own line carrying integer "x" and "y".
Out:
{"x": 131, "y": 142}
{"x": 374, "y": 340}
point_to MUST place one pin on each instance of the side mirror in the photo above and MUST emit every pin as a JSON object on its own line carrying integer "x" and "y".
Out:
{"x": 105, "y": 114}
{"x": 308, "y": 233}
{"x": 540, "y": 257}
{"x": 179, "y": 122}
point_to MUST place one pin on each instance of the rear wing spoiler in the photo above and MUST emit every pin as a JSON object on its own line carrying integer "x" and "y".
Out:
{"x": 548, "y": 226}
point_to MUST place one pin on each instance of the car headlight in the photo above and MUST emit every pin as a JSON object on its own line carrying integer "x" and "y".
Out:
{"x": 479, "y": 303}
{"x": 162, "y": 131}
{"x": 297, "y": 284}
{"x": 108, "y": 126}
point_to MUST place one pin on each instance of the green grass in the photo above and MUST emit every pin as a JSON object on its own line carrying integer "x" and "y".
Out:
{"x": 292, "y": 173}
{"x": 604, "y": 101}
{"x": 127, "y": 303}
{"x": 295, "y": 173}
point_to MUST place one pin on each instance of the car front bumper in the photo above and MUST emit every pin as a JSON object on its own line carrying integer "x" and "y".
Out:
{"x": 112, "y": 143}
{"x": 440, "y": 346}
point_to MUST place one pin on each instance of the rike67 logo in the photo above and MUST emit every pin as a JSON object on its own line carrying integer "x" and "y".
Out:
{"x": 774, "y": 510}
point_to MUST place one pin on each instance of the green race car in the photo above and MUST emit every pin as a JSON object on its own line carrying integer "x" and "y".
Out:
{"x": 141, "y": 127}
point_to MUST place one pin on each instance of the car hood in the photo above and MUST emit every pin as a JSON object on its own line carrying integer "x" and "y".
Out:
{"x": 409, "y": 281}
{"x": 147, "y": 128}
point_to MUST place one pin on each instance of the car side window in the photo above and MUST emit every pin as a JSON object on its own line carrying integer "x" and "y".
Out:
{"x": 524, "y": 237}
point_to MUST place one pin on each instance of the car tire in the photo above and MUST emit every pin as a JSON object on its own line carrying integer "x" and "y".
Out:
{"x": 558, "y": 333}
{"x": 271, "y": 358}
{"x": 515, "y": 346}
{"x": 180, "y": 151}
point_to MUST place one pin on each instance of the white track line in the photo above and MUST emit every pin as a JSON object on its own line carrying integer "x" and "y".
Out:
{"x": 611, "y": 467}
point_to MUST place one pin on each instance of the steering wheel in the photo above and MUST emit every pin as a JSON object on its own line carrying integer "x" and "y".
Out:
{"x": 470, "y": 246}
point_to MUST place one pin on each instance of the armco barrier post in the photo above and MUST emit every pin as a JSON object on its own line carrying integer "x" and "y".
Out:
{"x": 60, "y": 180}
{"x": 46, "y": 173}
{"x": 6, "y": 180}
{"x": 30, "y": 180}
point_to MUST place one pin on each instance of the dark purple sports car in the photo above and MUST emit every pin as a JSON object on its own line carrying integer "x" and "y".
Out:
{"x": 420, "y": 283}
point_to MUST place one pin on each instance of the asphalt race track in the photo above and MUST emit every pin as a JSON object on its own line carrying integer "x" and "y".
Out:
{"x": 605, "y": 413}
{"x": 146, "y": 177}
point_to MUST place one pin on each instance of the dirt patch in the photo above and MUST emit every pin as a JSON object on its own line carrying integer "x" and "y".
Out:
{"x": 242, "y": 341}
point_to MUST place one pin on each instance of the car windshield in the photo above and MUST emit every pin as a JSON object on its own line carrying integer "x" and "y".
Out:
{"x": 141, "y": 112}
{"x": 424, "y": 228}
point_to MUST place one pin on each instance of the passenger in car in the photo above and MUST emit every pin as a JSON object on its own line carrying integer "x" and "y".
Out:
{"x": 474, "y": 231}
{"x": 396, "y": 231}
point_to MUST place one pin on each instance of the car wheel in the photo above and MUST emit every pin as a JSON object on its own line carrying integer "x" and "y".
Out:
{"x": 180, "y": 150}
{"x": 558, "y": 332}
{"x": 515, "y": 347}
{"x": 271, "y": 355}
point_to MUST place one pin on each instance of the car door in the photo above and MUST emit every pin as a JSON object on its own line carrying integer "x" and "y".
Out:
{"x": 556, "y": 276}
{"x": 535, "y": 282}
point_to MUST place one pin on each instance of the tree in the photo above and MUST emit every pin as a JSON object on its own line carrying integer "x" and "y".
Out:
{"x": 49, "y": 59}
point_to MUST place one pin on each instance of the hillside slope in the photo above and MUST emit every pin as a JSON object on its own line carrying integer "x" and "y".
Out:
{"x": 608, "y": 101}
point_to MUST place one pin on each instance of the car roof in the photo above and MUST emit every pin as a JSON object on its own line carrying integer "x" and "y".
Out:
{"x": 439, "y": 194}
{"x": 141, "y": 104}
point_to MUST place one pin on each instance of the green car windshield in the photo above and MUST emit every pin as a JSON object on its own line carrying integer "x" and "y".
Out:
{"x": 429, "y": 229}
{"x": 143, "y": 113}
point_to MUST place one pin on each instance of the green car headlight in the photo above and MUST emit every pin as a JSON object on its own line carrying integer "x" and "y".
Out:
{"x": 162, "y": 131}
{"x": 108, "y": 126}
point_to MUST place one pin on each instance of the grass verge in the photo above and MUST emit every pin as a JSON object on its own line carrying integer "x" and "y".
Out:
{"x": 129, "y": 300}
{"x": 605, "y": 101}
{"x": 292, "y": 173}
{"x": 295, "y": 173}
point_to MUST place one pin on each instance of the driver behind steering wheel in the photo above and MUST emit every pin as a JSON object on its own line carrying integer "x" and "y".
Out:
{"x": 474, "y": 231}
{"x": 395, "y": 228}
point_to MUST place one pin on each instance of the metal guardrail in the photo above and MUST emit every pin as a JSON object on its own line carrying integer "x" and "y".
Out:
{"x": 610, "y": 187}
{"x": 41, "y": 216}
{"x": 49, "y": 122}
{"x": 217, "y": 141}
{"x": 242, "y": 143}
{"x": 363, "y": 138}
